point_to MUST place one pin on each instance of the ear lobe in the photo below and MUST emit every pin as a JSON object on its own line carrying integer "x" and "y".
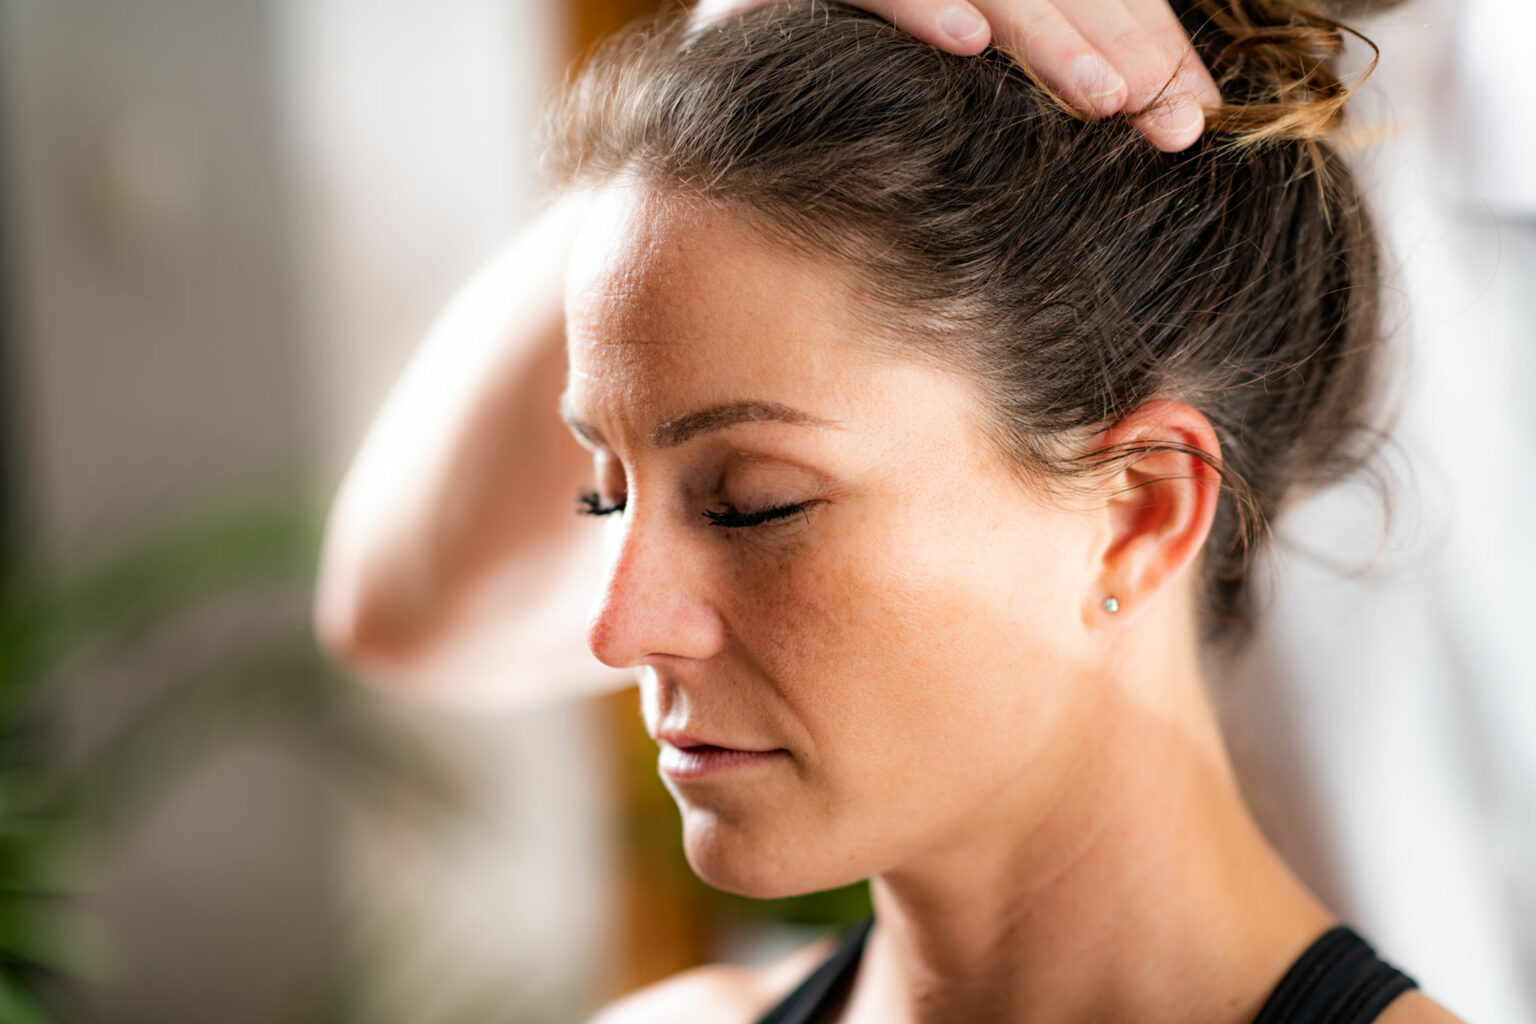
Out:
{"x": 1161, "y": 501}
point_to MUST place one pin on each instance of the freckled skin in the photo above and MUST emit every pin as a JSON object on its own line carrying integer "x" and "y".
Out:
{"x": 915, "y": 639}
{"x": 1037, "y": 790}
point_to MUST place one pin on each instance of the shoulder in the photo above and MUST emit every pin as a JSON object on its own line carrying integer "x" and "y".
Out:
{"x": 714, "y": 992}
{"x": 717, "y": 992}
{"x": 1414, "y": 1007}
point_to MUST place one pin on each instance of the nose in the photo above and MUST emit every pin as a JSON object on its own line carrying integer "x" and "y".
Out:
{"x": 654, "y": 601}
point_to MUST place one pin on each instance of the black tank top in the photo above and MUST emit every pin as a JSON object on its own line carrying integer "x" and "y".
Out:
{"x": 1338, "y": 980}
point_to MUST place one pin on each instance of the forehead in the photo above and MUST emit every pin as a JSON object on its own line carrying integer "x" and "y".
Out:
{"x": 667, "y": 295}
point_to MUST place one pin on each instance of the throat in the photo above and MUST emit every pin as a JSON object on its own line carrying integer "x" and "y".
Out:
{"x": 1169, "y": 905}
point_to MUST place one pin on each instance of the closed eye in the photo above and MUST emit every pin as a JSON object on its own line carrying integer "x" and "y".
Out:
{"x": 590, "y": 503}
{"x": 736, "y": 519}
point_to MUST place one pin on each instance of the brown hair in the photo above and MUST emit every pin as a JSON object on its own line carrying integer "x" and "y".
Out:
{"x": 1071, "y": 269}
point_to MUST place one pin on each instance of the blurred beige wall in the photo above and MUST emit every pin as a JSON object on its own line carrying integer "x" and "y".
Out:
{"x": 155, "y": 369}
{"x": 231, "y": 222}
{"x": 157, "y": 361}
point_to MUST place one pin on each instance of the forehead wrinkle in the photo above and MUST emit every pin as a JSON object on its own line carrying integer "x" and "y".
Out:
{"x": 681, "y": 429}
{"x": 717, "y": 417}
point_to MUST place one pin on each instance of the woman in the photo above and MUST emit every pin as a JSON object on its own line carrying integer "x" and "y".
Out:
{"x": 936, "y": 432}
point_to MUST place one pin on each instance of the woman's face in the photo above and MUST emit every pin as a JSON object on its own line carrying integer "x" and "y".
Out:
{"x": 911, "y": 642}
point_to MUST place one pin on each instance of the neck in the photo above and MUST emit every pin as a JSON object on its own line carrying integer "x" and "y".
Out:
{"x": 1144, "y": 891}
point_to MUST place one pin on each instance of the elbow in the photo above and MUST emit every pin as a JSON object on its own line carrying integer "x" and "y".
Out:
{"x": 349, "y": 638}
{"x": 357, "y": 626}
{"x": 343, "y": 635}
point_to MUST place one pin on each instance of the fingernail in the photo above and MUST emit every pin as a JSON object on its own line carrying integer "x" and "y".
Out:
{"x": 1201, "y": 87}
{"x": 961, "y": 23}
{"x": 1180, "y": 117}
{"x": 1094, "y": 78}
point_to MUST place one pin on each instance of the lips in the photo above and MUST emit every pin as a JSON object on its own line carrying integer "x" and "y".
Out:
{"x": 689, "y": 741}
{"x": 711, "y": 761}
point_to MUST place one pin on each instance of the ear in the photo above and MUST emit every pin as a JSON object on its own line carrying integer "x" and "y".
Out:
{"x": 1160, "y": 504}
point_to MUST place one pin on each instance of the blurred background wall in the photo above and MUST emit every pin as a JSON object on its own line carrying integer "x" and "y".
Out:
{"x": 227, "y": 224}
{"x": 155, "y": 366}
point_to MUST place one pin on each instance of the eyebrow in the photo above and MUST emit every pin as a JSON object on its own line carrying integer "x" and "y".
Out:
{"x": 685, "y": 428}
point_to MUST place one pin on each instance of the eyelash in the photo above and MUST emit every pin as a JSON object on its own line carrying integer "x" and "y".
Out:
{"x": 591, "y": 504}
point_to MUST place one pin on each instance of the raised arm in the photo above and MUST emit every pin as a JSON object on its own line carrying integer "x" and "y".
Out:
{"x": 453, "y": 563}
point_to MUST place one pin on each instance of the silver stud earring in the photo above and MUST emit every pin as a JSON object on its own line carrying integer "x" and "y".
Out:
{"x": 1111, "y": 605}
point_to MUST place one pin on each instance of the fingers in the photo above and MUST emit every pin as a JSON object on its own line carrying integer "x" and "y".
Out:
{"x": 1178, "y": 87}
{"x": 1101, "y": 56}
{"x": 1039, "y": 34}
{"x": 1036, "y": 32}
{"x": 1140, "y": 40}
{"x": 953, "y": 25}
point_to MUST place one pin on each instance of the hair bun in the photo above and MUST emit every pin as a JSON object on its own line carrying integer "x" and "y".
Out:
{"x": 1273, "y": 61}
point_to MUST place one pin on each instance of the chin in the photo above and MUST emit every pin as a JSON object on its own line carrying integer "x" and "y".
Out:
{"x": 740, "y": 861}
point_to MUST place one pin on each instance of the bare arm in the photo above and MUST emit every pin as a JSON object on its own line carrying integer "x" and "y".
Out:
{"x": 453, "y": 563}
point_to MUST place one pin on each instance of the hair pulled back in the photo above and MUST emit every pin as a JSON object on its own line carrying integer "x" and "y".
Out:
{"x": 1069, "y": 268}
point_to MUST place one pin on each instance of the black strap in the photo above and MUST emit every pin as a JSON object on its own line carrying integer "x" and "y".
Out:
{"x": 1338, "y": 980}
{"x": 818, "y": 990}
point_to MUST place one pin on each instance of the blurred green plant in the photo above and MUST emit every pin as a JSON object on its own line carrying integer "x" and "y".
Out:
{"x": 832, "y": 908}
{"x": 56, "y": 794}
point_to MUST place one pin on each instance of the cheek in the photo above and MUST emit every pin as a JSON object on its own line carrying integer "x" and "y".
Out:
{"x": 911, "y": 646}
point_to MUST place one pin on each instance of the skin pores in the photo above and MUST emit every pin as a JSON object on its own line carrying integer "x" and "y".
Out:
{"x": 914, "y": 638}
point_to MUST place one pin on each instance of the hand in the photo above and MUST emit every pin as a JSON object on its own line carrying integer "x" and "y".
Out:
{"x": 1102, "y": 56}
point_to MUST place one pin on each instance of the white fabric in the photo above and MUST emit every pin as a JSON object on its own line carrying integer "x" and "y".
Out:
{"x": 1391, "y": 713}
{"x": 1495, "y": 50}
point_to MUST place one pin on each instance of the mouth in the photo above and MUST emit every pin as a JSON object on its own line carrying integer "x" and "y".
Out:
{"x": 689, "y": 761}
{"x": 698, "y": 741}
